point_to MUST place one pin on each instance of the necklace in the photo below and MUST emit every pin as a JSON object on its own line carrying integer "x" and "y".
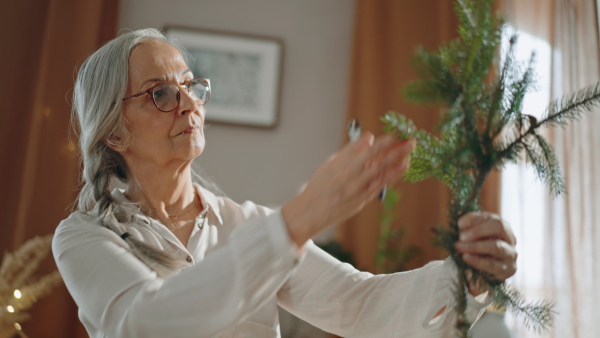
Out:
{"x": 183, "y": 212}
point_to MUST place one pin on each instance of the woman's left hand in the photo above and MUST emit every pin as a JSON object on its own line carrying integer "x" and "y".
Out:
{"x": 487, "y": 243}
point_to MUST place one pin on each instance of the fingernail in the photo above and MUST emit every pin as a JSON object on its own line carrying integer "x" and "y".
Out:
{"x": 465, "y": 236}
{"x": 463, "y": 223}
{"x": 405, "y": 164}
{"x": 413, "y": 143}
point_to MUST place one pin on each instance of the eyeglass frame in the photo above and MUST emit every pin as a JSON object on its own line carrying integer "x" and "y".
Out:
{"x": 185, "y": 84}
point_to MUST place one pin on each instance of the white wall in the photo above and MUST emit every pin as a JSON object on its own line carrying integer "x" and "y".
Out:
{"x": 268, "y": 166}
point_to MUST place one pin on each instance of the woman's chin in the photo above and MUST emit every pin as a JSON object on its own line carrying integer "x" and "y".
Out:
{"x": 194, "y": 151}
{"x": 189, "y": 151}
{"x": 198, "y": 145}
{"x": 195, "y": 144}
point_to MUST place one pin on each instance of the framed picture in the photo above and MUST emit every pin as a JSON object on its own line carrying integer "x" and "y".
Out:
{"x": 244, "y": 73}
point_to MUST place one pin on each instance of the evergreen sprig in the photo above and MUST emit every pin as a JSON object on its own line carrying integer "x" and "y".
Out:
{"x": 571, "y": 107}
{"x": 537, "y": 316}
{"x": 483, "y": 128}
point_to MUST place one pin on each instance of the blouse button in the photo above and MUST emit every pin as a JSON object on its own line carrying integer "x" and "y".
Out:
{"x": 188, "y": 259}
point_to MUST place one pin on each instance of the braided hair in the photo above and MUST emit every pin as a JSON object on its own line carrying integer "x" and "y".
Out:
{"x": 101, "y": 82}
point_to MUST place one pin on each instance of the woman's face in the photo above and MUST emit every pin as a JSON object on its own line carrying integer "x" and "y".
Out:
{"x": 161, "y": 138}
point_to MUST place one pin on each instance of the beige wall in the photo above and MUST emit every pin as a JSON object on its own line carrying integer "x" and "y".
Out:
{"x": 268, "y": 166}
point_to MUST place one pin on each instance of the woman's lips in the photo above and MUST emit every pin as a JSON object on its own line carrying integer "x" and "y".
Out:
{"x": 189, "y": 130}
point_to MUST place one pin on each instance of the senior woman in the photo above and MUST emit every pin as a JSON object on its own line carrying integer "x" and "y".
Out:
{"x": 166, "y": 257}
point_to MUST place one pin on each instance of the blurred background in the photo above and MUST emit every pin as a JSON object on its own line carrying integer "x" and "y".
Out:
{"x": 342, "y": 59}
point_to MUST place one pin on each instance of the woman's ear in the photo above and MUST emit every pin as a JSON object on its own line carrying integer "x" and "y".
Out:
{"x": 115, "y": 143}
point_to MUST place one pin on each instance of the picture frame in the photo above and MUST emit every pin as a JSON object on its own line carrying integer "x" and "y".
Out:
{"x": 244, "y": 70}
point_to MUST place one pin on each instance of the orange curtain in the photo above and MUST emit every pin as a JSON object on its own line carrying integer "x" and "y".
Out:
{"x": 43, "y": 42}
{"x": 386, "y": 35}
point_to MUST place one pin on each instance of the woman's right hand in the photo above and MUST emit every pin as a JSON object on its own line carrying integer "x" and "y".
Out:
{"x": 345, "y": 183}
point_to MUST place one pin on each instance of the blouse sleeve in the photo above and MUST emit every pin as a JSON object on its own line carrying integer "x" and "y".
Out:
{"x": 121, "y": 297}
{"x": 342, "y": 300}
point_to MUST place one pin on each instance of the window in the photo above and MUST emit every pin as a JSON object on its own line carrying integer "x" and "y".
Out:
{"x": 524, "y": 198}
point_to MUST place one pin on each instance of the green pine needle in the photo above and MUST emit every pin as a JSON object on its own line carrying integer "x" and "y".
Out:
{"x": 537, "y": 316}
{"x": 483, "y": 128}
{"x": 541, "y": 156}
{"x": 570, "y": 108}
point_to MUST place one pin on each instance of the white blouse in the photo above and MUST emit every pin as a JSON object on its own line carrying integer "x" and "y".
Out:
{"x": 244, "y": 266}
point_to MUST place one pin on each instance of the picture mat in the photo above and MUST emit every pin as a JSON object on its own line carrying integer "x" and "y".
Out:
{"x": 244, "y": 74}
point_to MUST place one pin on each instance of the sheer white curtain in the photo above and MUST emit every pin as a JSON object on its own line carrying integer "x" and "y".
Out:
{"x": 559, "y": 238}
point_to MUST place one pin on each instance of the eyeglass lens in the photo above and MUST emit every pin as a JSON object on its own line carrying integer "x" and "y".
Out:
{"x": 166, "y": 96}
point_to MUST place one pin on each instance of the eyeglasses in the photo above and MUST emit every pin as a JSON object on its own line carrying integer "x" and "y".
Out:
{"x": 166, "y": 96}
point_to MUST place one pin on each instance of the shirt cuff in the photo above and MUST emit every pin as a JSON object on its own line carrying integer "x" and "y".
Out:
{"x": 279, "y": 234}
{"x": 475, "y": 305}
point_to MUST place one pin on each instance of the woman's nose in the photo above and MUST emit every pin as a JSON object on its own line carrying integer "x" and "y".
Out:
{"x": 187, "y": 102}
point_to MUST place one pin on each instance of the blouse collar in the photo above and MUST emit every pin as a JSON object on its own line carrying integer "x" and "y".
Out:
{"x": 208, "y": 199}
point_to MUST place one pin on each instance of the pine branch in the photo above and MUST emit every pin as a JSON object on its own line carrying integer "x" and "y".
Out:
{"x": 483, "y": 127}
{"x": 438, "y": 84}
{"x": 462, "y": 322}
{"x": 517, "y": 91}
{"x": 568, "y": 109}
{"x": 537, "y": 316}
{"x": 499, "y": 92}
{"x": 464, "y": 11}
{"x": 431, "y": 158}
{"x": 559, "y": 113}
{"x": 541, "y": 156}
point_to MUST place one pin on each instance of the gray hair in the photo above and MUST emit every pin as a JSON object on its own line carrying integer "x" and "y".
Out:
{"x": 97, "y": 107}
